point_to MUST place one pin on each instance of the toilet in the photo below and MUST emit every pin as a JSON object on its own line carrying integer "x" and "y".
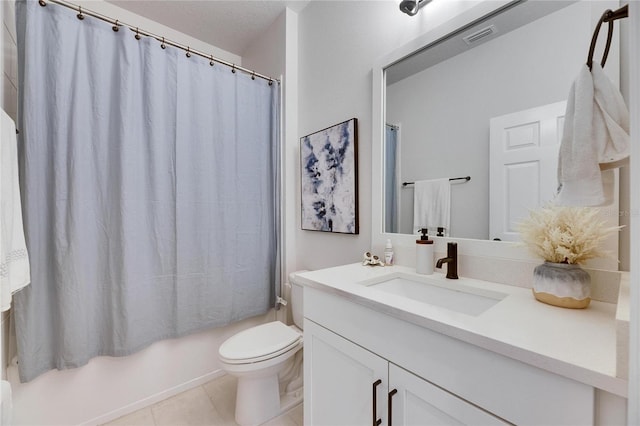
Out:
{"x": 267, "y": 361}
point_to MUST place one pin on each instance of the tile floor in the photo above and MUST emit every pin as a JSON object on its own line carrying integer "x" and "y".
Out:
{"x": 212, "y": 404}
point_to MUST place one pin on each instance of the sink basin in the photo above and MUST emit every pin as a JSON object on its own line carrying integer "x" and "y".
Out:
{"x": 452, "y": 295}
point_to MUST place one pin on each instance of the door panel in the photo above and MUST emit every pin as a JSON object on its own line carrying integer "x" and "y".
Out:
{"x": 420, "y": 403}
{"x": 523, "y": 165}
{"x": 339, "y": 377}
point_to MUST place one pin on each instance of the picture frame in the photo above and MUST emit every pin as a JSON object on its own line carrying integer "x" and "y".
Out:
{"x": 329, "y": 179}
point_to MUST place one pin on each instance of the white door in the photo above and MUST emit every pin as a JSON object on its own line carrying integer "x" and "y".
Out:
{"x": 523, "y": 165}
{"x": 416, "y": 402}
{"x": 341, "y": 381}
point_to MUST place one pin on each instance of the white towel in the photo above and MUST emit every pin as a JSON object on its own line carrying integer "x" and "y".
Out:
{"x": 595, "y": 138}
{"x": 14, "y": 261}
{"x": 432, "y": 204}
{"x": 6, "y": 402}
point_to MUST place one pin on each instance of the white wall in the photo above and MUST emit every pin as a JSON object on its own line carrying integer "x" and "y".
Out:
{"x": 133, "y": 19}
{"x": 339, "y": 43}
{"x": 542, "y": 60}
{"x": 275, "y": 53}
{"x": 9, "y": 60}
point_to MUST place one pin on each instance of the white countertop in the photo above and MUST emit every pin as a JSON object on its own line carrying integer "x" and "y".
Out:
{"x": 576, "y": 343}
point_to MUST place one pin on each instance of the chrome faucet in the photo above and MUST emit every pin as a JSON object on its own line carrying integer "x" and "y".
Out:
{"x": 451, "y": 260}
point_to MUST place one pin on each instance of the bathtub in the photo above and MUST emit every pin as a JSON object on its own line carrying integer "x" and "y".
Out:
{"x": 109, "y": 387}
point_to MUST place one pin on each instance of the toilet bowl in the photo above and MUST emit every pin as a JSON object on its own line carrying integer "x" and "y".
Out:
{"x": 267, "y": 361}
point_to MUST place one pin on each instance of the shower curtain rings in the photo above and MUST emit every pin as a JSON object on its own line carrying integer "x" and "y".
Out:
{"x": 138, "y": 33}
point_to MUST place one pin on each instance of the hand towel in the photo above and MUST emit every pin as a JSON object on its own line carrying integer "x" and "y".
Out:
{"x": 14, "y": 261}
{"x": 432, "y": 204}
{"x": 595, "y": 137}
{"x": 6, "y": 403}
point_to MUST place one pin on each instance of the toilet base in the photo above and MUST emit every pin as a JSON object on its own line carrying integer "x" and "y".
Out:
{"x": 257, "y": 400}
{"x": 269, "y": 392}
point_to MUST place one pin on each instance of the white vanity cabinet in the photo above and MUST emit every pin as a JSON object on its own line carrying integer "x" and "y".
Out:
{"x": 341, "y": 380}
{"x": 439, "y": 378}
{"x": 349, "y": 385}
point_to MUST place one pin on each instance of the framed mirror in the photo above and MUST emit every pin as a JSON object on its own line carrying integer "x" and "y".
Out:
{"x": 435, "y": 101}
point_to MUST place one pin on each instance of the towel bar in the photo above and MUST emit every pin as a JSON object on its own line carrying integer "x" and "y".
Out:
{"x": 465, "y": 178}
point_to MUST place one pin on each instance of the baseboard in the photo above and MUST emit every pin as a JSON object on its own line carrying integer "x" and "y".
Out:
{"x": 160, "y": 396}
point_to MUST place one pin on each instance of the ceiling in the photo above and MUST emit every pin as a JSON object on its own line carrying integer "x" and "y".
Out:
{"x": 231, "y": 25}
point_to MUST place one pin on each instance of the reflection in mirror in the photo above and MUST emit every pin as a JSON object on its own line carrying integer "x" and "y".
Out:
{"x": 391, "y": 155}
{"x": 486, "y": 95}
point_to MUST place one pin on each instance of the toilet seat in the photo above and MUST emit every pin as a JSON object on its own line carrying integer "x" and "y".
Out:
{"x": 260, "y": 343}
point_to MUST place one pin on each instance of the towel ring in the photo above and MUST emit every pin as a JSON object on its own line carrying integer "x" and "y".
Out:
{"x": 608, "y": 16}
{"x": 594, "y": 39}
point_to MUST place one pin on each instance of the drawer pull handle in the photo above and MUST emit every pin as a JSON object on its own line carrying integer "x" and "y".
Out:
{"x": 393, "y": 392}
{"x": 376, "y": 420}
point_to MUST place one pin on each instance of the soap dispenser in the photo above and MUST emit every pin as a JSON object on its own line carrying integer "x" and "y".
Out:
{"x": 388, "y": 253}
{"x": 424, "y": 254}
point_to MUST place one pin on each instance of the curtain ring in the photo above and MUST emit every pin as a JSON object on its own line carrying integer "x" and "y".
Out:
{"x": 42, "y": 3}
{"x": 164, "y": 46}
{"x": 80, "y": 15}
{"x": 253, "y": 76}
{"x": 233, "y": 69}
{"x": 211, "y": 62}
{"x": 270, "y": 82}
{"x": 116, "y": 28}
{"x": 188, "y": 52}
{"x": 137, "y": 34}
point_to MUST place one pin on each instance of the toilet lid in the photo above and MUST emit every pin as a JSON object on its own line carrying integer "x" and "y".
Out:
{"x": 259, "y": 341}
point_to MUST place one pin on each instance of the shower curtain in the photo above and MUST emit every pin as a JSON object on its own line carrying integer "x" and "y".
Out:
{"x": 150, "y": 191}
{"x": 391, "y": 178}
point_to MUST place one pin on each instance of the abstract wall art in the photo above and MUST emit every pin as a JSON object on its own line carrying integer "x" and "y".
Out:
{"x": 329, "y": 166}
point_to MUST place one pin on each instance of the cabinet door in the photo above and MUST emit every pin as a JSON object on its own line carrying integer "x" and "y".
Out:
{"x": 418, "y": 402}
{"x": 339, "y": 379}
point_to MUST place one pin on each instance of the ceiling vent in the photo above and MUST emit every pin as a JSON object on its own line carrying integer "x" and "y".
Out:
{"x": 480, "y": 34}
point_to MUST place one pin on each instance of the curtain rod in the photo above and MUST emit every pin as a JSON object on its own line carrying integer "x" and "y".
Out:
{"x": 465, "y": 178}
{"x": 138, "y": 32}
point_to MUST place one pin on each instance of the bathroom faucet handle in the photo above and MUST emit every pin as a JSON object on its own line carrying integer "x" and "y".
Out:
{"x": 452, "y": 264}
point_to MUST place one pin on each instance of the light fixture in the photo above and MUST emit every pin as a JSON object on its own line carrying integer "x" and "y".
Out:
{"x": 411, "y": 7}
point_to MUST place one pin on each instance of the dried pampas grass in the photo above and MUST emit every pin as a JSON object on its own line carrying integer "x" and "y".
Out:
{"x": 565, "y": 234}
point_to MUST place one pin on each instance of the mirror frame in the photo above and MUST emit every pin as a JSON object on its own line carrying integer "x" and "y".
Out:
{"x": 471, "y": 247}
{"x": 633, "y": 416}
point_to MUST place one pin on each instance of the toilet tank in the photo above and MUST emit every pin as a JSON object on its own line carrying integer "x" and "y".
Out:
{"x": 296, "y": 300}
